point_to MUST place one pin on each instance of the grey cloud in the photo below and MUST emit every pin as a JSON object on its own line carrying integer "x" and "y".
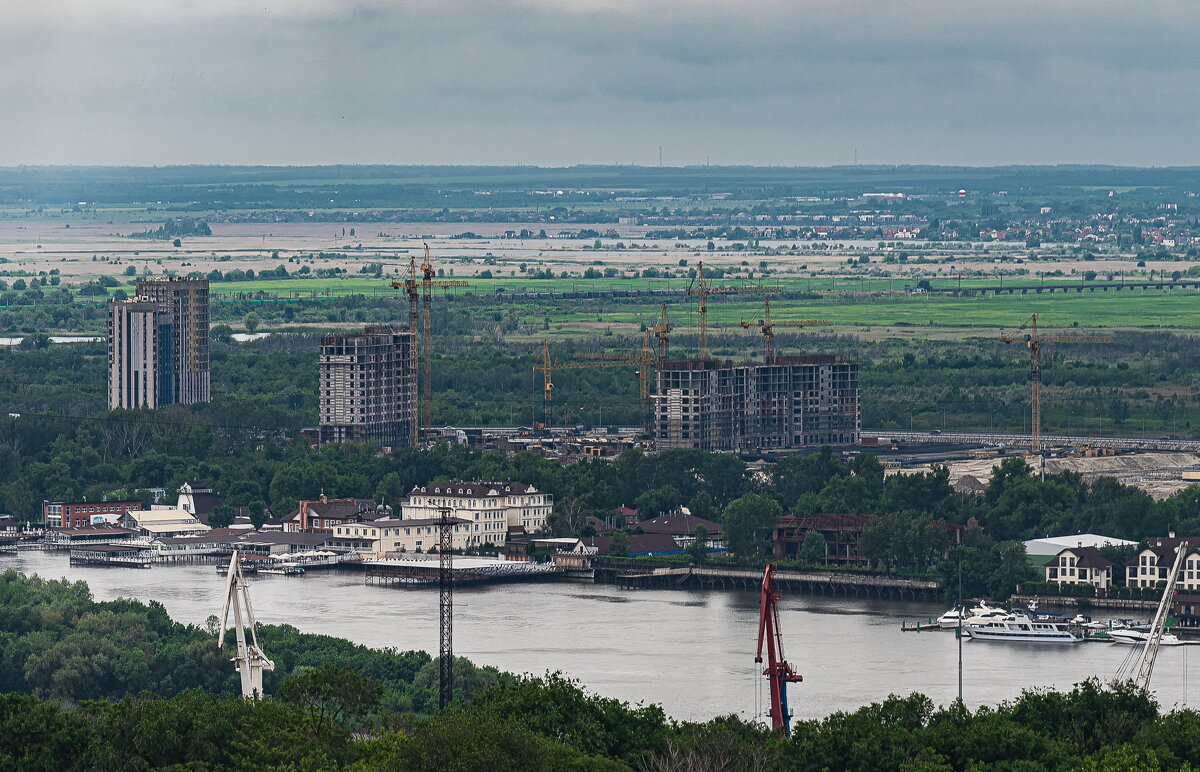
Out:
{"x": 762, "y": 82}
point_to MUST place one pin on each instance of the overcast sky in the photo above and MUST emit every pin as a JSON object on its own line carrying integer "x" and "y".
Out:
{"x": 794, "y": 82}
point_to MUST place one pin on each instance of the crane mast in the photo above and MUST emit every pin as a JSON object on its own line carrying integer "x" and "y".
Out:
{"x": 700, "y": 289}
{"x": 426, "y": 340}
{"x": 548, "y": 366}
{"x": 662, "y": 331}
{"x": 778, "y": 672}
{"x": 250, "y": 660}
{"x": 416, "y": 291}
{"x": 767, "y": 327}
{"x": 1034, "y": 341}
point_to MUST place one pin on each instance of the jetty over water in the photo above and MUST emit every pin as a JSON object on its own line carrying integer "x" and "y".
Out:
{"x": 632, "y": 574}
{"x": 424, "y": 572}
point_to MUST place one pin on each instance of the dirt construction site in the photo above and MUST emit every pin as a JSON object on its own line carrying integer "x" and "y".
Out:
{"x": 1158, "y": 474}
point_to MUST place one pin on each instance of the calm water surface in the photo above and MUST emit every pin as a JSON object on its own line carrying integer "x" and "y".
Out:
{"x": 692, "y": 652}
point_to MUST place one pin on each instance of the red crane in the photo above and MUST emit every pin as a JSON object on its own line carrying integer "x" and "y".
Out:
{"x": 778, "y": 672}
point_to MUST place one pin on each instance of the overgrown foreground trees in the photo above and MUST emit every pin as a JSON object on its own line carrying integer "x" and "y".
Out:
{"x": 118, "y": 685}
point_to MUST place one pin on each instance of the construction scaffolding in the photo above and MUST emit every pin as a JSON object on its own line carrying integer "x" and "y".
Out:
{"x": 786, "y": 403}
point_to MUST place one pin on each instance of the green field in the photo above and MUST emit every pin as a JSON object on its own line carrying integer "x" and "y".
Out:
{"x": 1177, "y": 309}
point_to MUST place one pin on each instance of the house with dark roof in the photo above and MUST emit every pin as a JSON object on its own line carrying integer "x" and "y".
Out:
{"x": 842, "y": 534}
{"x": 1080, "y": 565}
{"x": 1153, "y": 563}
{"x": 324, "y": 513}
{"x": 682, "y": 528}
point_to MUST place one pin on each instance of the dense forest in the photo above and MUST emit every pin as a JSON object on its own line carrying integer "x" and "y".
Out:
{"x": 88, "y": 685}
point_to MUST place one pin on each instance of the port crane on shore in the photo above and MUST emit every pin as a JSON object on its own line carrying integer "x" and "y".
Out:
{"x": 778, "y": 672}
{"x": 250, "y": 660}
{"x": 767, "y": 327}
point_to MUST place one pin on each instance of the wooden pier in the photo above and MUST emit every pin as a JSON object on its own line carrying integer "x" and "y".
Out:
{"x": 815, "y": 582}
{"x": 111, "y": 555}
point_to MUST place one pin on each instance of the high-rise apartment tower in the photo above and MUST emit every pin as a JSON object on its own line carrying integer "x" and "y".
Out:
{"x": 367, "y": 389}
{"x": 186, "y": 301}
{"x": 140, "y": 355}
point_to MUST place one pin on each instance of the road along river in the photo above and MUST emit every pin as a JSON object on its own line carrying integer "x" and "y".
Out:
{"x": 690, "y": 651}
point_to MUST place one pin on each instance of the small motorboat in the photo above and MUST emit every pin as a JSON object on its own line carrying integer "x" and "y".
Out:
{"x": 1140, "y": 634}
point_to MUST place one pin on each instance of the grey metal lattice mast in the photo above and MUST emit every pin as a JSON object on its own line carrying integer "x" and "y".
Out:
{"x": 1150, "y": 652}
{"x": 445, "y": 607}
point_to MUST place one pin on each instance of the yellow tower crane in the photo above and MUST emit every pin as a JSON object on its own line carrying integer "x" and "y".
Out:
{"x": 700, "y": 289}
{"x": 1034, "y": 340}
{"x": 409, "y": 285}
{"x": 662, "y": 331}
{"x": 767, "y": 327}
{"x": 548, "y": 366}
{"x": 644, "y": 359}
{"x": 428, "y": 283}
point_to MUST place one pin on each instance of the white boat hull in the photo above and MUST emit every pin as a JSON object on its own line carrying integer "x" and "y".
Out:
{"x": 989, "y": 635}
{"x": 1140, "y": 638}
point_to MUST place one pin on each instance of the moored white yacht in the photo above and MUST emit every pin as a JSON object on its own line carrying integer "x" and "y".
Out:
{"x": 975, "y": 615}
{"x": 1021, "y": 628}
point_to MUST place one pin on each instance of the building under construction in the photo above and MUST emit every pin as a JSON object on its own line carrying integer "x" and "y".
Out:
{"x": 787, "y": 402}
{"x": 368, "y": 389}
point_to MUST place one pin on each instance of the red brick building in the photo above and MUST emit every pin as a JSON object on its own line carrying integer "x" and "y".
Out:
{"x": 75, "y": 514}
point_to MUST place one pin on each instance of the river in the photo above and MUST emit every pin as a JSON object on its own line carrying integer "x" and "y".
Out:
{"x": 690, "y": 651}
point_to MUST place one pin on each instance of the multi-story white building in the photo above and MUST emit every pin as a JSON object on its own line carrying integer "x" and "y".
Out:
{"x": 379, "y": 537}
{"x": 1151, "y": 565}
{"x": 491, "y": 508}
{"x": 1080, "y": 565}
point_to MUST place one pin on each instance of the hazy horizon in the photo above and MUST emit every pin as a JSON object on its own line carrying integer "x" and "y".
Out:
{"x": 599, "y": 82}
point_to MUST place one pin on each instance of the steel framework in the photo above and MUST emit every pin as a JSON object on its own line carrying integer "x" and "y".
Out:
{"x": 778, "y": 672}
{"x": 250, "y": 660}
{"x": 445, "y": 606}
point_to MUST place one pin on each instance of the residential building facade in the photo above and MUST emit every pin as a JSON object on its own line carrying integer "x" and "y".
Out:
{"x": 1080, "y": 565}
{"x": 379, "y": 537}
{"x": 1151, "y": 565}
{"x": 140, "y": 355}
{"x": 185, "y": 301}
{"x": 786, "y": 402}
{"x": 368, "y": 390}
{"x": 322, "y": 514}
{"x": 490, "y": 507}
{"x": 76, "y": 514}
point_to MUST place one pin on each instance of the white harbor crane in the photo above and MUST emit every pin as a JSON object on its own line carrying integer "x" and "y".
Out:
{"x": 1145, "y": 664}
{"x": 250, "y": 661}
